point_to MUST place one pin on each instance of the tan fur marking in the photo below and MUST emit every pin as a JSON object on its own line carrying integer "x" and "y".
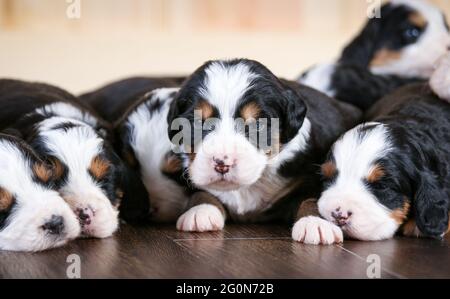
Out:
{"x": 384, "y": 56}
{"x": 206, "y": 108}
{"x": 375, "y": 174}
{"x": 418, "y": 19}
{"x": 308, "y": 208}
{"x": 250, "y": 111}
{"x": 41, "y": 171}
{"x": 99, "y": 167}
{"x": 328, "y": 169}
{"x": 171, "y": 164}
{"x": 57, "y": 167}
{"x": 401, "y": 214}
{"x": 410, "y": 229}
{"x": 6, "y": 199}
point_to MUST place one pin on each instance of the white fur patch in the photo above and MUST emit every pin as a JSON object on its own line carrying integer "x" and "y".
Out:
{"x": 418, "y": 59}
{"x": 319, "y": 77}
{"x": 355, "y": 157}
{"x": 35, "y": 205}
{"x": 314, "y": 230}
{"x": 201, "y": 218}
{"x": 150, "y": 144}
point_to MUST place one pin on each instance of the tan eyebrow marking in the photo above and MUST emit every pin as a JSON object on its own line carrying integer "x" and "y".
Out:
{"x": 375, "y": 173}
{"x": 328, "y": 169}
{"x": 99, "y": 167}
{"x": 250, "y": 111}
{"x": 206, "y": 108}
{"x": 418, "y": 19}
{"x": 6, "y": 199}
{"x": 41, "y": 171}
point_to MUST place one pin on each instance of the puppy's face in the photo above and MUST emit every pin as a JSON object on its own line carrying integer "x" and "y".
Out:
{"x": 86, "y": 168}
{"x": 407, "y": 40}
{"x": 241, "y": 115}
{"x": 33, "y": 217}
{"x": 364, "y": 192}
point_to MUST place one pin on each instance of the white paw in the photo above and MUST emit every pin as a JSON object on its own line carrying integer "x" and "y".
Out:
{"x": 440, "y": 80}
{"x": 314, "y": 230}
{"x": 201, "y": 218}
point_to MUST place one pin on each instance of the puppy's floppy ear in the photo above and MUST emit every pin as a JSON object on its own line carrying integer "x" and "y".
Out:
{"x": 178, "y": 106}
{"x": 431, "y": 204}
{"x": 294, "y": 115}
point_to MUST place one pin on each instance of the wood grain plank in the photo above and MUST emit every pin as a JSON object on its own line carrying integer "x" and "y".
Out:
{"x": 408, "y": 257}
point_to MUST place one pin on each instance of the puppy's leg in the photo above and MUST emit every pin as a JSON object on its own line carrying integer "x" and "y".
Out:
{"x": 310, "y": 228}
{"x": 206, "y": 214}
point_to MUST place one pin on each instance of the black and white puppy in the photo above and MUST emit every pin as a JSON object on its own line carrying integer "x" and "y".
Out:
{"x": 399, "y": 48}
{"x": 70, "y": 138}
{"x": 33, "y": 216}
{"x": 389, "y": 174}
{"x": 154, "y": 189}
{"x": 251, "y": 179}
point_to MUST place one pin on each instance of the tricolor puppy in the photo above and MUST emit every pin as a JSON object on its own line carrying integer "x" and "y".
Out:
{"x": 251, "y": 141}
{"x": 390, "y": 174}
{"x": 400, "y": 47}
{"x": 33, "y": 216}
{"x": 71, "y": 139}
{"x": 156, "y": 189}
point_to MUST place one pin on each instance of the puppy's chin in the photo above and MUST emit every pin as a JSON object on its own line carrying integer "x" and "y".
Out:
{"x": 223, "y": 186}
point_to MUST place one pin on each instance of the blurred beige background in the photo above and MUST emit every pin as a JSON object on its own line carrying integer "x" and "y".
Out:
{"x": 117, "y": 38}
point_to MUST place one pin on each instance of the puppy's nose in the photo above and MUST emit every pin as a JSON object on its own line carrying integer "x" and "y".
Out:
{"x": 220, "y": 166}
{"x": 341, "y": 218}
{"x": 55, "y": 225}
{"x": 85, "y": 216}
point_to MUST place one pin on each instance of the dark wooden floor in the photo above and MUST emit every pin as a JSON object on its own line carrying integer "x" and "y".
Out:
{"x": 238, "y": 252}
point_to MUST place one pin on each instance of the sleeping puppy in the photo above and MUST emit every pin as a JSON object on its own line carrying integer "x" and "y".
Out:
{"x": 399, "y": 48}
{"x": 251, "y": 141}
{"x": 389, "y": 174}
{"x": 33, "y": 216}
{"x": 155, "y": 189}
{"x": 70, "y": 138}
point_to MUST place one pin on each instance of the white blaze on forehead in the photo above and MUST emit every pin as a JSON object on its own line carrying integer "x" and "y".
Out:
{"x": 356, "y": 151}
{"x": 224, "y": 86}
{"x": 68, "y": 111}
{"x": 76, "y": 147}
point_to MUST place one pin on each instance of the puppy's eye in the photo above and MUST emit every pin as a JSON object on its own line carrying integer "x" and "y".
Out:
{"x": 411, "y": 34}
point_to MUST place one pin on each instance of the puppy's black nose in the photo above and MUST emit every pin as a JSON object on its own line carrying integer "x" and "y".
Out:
{"x": 221, "y": 167}
{"x": 341, "y": 218}
{"x": 84, "y": 216}
{"x": 55, "y": 225}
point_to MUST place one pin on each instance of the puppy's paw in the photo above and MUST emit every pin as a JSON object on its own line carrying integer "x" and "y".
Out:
{"x": 314, "y": 230}
{"x": 440, "y": 80}
{"x": 201, "y": 218}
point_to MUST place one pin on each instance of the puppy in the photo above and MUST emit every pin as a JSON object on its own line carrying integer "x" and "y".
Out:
{"x": 389, "y": 174}
{"x": 155, "y": 188}
{"x": 70, "y": 138}
{"x": 33, "y": 216}
{"x": 251, "y": 141}
{"x": 397, "y": 49}
{"x": 440, "y": 80}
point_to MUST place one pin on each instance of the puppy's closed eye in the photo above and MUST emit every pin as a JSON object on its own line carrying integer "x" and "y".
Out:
{"x": 42, "y": 172}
